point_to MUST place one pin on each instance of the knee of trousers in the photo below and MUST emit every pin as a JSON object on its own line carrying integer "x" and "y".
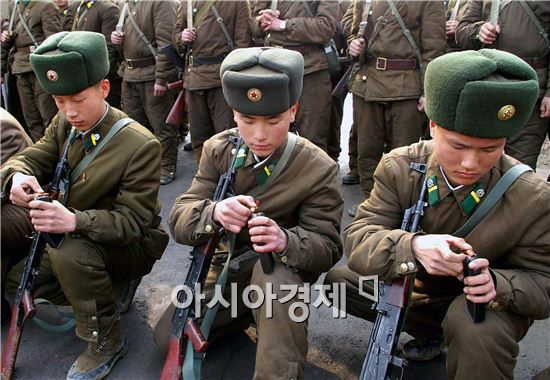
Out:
{"x": 280, "y": 338}
{"x": 485, "y": 350}
{"x": 76, "y": 257}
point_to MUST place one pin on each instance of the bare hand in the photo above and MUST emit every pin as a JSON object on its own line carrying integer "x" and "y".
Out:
{"x": 188, "y": 36}
{"x": 266, "y": 235}
{"x": 545, "y": 107}
{"x": 5, "y": 37}
{"x": 269, "y": 20}
{"x": 421, "y": 103}
{"x": 480, "y": 288}
{"x": 450, "y": 29}
{"x": 117, "y": 38}
{"x": 51, "y": 217}
{"x": 233, "y": 213}
{"x": 356, "y": 47}
{"x": 22, "y": 188}
{"x": 488, "y": 33}
{"x": 159, "y": 90}
{"x": 435, "y": 254}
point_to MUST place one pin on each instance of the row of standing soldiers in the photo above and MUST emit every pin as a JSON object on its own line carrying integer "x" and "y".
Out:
{"x": 386, "y": 83}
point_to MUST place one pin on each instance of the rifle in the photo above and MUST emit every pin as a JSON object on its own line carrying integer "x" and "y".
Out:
{"x": 391, "y": 308}
{"x": 23, "y": 307}
{"x": 184, "y": 323}
{"x": 176, "y": 115}
{"x": 341, "y": 89}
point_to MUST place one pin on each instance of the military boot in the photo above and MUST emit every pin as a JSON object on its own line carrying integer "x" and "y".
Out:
{"x": 167, "y": 175}
{"x": 98, "y": 359}
{"x": 424, "y": 349}
{"x": 126, "y": 295}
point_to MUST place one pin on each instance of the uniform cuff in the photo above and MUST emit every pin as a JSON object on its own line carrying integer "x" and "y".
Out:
{"x": 404, "y": 259}
{"x": 206, "y": 225}
{"x": 503, "y": 289}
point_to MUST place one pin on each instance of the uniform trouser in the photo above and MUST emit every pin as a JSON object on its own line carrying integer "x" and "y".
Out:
{"x": 352, "y": 150}
{"x": 381, "y": 126}
{"x": 476, "y": 351}
{"x": 282, "y": 343}
{"x": 151, "y": 111}
{"x": 314, "y": 108}
{"x": 38, "y": 106}
{"x": 80, "y": 273}
{"x": 336, "y": 116}
{"x": 525, "y": 146}
{"x": 209, "y": 114}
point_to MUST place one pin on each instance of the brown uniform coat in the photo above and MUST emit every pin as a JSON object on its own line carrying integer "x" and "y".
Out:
{"x": 13, "y": 137}
{"x": 42, "y": 18}
{"x": 211, "y": 41}
{"x": 309, "y": 209}
{"x": 514, "y": 236}
{"x": 302, "y": 30}
{"x": 425, "y": 20}
{"x": 156, "y": 20}
{"x": 518, "y": 33}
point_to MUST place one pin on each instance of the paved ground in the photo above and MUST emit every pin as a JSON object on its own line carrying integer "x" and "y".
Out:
{"x": 337, "y": 347}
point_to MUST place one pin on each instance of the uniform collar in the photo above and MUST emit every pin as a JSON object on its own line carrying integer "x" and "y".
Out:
{"x": 92, "y": 137}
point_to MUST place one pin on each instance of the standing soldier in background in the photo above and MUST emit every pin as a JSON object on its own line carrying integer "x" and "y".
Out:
{"x": 455, "y": 9}
{"x": 303, "y": 27}
{"x": 206, "y": 43}
{"x": 388, "y": 100}
{"x": 32, "y": 22}
{"x": 65, "y": 14}
{"x": 101, "y": 16}
{"x": 146, "y": 70}
{"x": 525, "y": 35}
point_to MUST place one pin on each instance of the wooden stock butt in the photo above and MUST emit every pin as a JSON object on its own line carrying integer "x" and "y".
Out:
{"x": 175, "y": 117}
{"x": 193, "y": 332}
{"x": 11, "y": 346}
{"x": 174, "y": 360}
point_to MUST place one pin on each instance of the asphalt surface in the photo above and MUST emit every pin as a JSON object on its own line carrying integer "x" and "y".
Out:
{"x": 337, "y": 346}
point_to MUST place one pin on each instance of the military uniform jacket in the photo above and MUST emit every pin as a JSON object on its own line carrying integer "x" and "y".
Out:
{"x": 304, "y": 200}
{"x": 115, "y": 197}
{"x": 425, "y": 20}
{"x": 42, "y": 18}
{"x": 211, "y": 42}
{"x": 156, "y": 20}
{"x": 514, "y": 236}
{"x": 66, "y": 19}
{"x": 13, "y": 137}
{"x": 518, "y": 34}
{"x": 100, "y": 16}
{"x": 303, "y": 33}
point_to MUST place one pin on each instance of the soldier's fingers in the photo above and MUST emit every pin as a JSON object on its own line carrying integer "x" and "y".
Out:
{"x": 480, "y": 279}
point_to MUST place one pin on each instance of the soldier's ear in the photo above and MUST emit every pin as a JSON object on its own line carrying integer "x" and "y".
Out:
{"x": 433, "y": 129}
{"x": 105, "y": 87}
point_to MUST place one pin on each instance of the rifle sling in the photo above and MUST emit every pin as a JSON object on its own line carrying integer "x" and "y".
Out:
{"x": 141, "y": 35}
{"x": 77, "y": 171}
{"x": 25, "y": 26}
{"x": 193, "y": 360}
{"x": 219, "y": 20}
{"x": 491, "y": 199}
{"x": 535, "y": 21}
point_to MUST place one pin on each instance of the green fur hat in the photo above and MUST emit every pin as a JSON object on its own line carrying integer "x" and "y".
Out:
{"x": 487, "y": 93}
{"x": 262, "y": 81}
{"x": 69, "y": 62}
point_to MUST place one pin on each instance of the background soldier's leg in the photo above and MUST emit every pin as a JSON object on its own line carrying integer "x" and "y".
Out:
{"x": 44, "y": 102}
{"x": 32, "y": 116}
{"x": 486, "y": 350}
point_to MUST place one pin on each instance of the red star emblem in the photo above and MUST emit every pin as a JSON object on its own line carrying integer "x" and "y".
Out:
{"x": 254, "y": 94}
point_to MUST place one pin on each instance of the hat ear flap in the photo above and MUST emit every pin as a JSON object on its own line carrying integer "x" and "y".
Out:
{"x": 50, "y": 43}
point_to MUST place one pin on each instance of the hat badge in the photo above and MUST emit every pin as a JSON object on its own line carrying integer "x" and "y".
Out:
{"x": 52, "y": 76}
{"x": 254, "y": 94}
{"x": 506, "y": 112}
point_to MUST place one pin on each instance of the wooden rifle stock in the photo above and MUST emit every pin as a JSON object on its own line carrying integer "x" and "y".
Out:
{"x": 175, "y": 117}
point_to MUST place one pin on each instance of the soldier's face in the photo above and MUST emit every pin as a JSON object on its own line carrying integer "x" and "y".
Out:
{"x": 83, "y": 110}
{"x": 464, "y": 159}
{"x": 264, "y": 134}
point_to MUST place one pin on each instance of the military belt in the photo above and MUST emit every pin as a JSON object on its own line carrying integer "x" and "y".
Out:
{"x": 537, "y": 63}
{"x": 196, "y": 61}
{"x": 383, "y": 64}
{"x": 140, "y": 62}
{"x": 25, "y": 49}
{"x": 304, "y": 49}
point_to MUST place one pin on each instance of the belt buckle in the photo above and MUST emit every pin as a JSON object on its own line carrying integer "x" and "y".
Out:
{"x": 381, "y": 63}
{"x": 129, "y": 64}
{"x": 191, "y": 61}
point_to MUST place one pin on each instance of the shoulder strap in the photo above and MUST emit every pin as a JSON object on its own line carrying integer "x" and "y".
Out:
{"x": 141, "y": 35}
{"x": 494, "y": 195}
{"x": 89, "y": 158}
{"x": 406, "y": 32}
{"x": 202, "y": 12}
{"x": 535, "y": 21}
{"x": 26, "y": 27}
{"x": 219, "y": 20}
{"x": 279, "y": 167}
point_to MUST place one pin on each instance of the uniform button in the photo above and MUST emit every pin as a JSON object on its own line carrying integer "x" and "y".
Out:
{"x": 94, "y": 334}
{"x": 403, "y": 267}
{"x": 208, "y": 228}
{"x": 410, "y": 265}
{"x": 233, "y": 151}
{"x": 284, "y": 259}
{"x": 93, "y": 318}
{"x": 364, "y": 77}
